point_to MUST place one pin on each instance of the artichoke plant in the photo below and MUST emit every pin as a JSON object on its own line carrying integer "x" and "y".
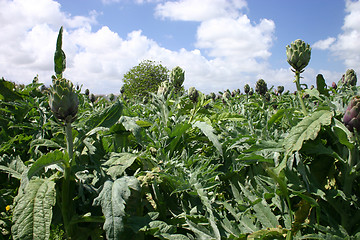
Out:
{"x": 177, "y": 77}
{"x": 246, "y": 88}
{"x": 352, "y": 114}
{"x": 261, "y": 87}
{"x": 349, "y": 78}
{"x": 298, "y": 55}
{"x": 280, "y": 89}
{"x": 193, "y": 94}
{"x": 63, "y": 100}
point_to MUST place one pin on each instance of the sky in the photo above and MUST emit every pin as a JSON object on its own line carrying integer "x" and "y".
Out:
{"x": 220, "y": 44}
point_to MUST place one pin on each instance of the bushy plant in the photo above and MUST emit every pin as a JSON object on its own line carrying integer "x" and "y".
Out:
{"x": 144, "y": 78}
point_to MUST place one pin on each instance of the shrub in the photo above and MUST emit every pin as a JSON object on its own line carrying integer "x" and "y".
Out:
{"x": 144, "y": 78}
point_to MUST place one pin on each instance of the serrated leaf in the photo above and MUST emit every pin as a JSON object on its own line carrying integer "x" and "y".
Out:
{"x": 106, "y": 117}
{"x": 33, "y": 210}
{"x": 118, "y": 163}
{"x": 276, "y": 117}
{"x": 46, "y": 160}
{"x": 208, "y": 130}
{"x": 15, "y": 168}
{"x": 306, "y": 129}
{"x": 43, "y": 143}
{"x": 112, "y": 199}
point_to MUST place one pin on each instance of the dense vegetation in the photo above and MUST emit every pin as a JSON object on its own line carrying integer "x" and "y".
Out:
{"x": 255, "y": 165}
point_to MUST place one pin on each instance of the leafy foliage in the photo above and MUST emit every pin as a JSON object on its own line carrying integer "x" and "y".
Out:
{"x": 180, "y": 166}
{"x": 144, "y": 78}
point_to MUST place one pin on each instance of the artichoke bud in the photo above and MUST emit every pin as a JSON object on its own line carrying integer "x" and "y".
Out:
{"x": 334, "y": 86}
{"x": 177, "y": 77}
{"x": 352, "y": 114}
{"x": 280, "y": 89}
{"x": 261, "y": 87}
{"x": 298, "y": 54}
{"x": 349, "y": 78}
{"x": 267, "y": 97}
{"x": 193, "y": 94}
{"x": 63, "y": 100}
{"x": 251, "y": 92}
{"x": 246, "y": 88}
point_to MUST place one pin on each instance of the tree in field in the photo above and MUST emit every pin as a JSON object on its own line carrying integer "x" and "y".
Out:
{"x": 144, "y": 78}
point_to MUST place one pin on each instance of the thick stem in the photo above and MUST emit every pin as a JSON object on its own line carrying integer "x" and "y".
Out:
{"x": 297, "y": 81}
{"x": 66, "y": 208}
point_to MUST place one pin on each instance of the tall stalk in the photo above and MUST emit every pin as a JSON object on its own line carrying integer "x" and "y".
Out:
{"x": 66, "y": 207}
{"x": 298, "y": 88}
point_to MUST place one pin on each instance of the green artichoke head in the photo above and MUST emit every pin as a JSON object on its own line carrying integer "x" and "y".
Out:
{"x": 352, "y": 114}
{"x": 261, "y": 87}
{"x": 280, "y": 89}
{"x": 246, "y": 88}
{"x": 298, "y": 55}
{"x": 349, "y": 78}
{"x": 177, "y": 77}
{"x": 63, "y": 100}
{"x": 193, "y": 94}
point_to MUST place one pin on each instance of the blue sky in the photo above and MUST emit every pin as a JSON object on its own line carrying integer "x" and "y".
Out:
{"x": 221, "y": 44}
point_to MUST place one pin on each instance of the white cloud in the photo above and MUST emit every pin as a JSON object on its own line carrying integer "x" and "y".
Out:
{"x": 199, "y": 10}
{"x": 324, "y": 44}
{"x": 346, "y": 45}
{"x": 96, "y": 58}
{"x": 237, "y": 39}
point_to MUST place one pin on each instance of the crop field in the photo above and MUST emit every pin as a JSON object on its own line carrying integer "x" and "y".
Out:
{"x": 258, "y": 162}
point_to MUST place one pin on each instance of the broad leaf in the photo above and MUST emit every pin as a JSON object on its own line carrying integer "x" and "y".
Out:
{"x": 112, "y": 199}
{"x": 15, "y": 167}
{"x": 105, "y": 117}
{"x": 208, "y": 130}
{"x": 306, "y": 129}
{"x": 118, "y": 163}
{"x": 46, "y": 160}
{"x": 33, "y": 210}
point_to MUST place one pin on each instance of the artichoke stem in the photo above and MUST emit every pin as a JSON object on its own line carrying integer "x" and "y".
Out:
{"x": 297, "y": 81}
{"x": 69, "y": 141}
{"x": 66, "y": 207}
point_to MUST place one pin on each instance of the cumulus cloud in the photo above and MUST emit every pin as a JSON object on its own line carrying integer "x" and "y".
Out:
{"x": 230, "y": 50}
{"x": 324, "y": 44}
{"x": 199, "y": 10}
{"x": 346, "y": 45}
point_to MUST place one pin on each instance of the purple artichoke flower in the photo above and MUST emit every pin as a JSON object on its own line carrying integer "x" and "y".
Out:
{"x": 352, "y": 114}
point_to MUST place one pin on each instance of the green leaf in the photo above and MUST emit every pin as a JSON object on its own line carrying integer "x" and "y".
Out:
{"x": 6, "y": 91}
{"x": 46, "y": 160}
{"x": 262, "y": 209}
{"x": 106, "y": 117}
{"x": 43, "y": 143}
{"x": 321, "y": 85}
{"x": 112, "y": 199}
{"x": 15, "y": 168}
{"x": 59, "y": 57}
{"x": 118, "y": 163}
{"x": 209, "y": 132}
{"x": 276, "y": 117}
{"x": 306, "y": 129}
{"x": 345, "y": 137}
{"x": 33, "y": 210}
